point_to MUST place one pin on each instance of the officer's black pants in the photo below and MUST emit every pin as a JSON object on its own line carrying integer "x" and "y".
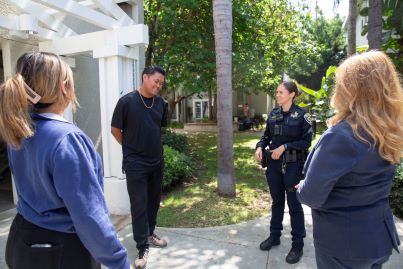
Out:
{"x": 278, "y": 184}
{"x": 144, "y": 184}
{"x": 59, "y": 250}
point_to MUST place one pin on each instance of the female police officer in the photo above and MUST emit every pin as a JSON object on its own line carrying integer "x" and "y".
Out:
{"x": 288, "y": 136}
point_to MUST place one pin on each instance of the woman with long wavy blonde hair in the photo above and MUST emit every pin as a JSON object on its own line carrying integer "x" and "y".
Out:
{"x": 348, "y": 174}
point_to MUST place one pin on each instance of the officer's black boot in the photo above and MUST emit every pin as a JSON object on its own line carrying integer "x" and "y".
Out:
{"x": 269, "y": 242}
{"x": 294, "y": 255}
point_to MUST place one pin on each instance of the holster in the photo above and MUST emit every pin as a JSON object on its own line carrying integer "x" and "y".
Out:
{"x": 265, "y": 158}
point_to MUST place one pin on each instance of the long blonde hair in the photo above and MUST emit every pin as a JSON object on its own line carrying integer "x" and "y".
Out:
{"x": 46, "y": 74}
{"x": 368, "y": 95}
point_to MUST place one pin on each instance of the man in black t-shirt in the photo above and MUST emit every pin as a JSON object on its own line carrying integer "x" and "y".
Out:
{"x": 136, "y": 125}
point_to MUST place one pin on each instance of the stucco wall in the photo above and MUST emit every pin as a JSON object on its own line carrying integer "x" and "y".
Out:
{"x": 87, "y": 116}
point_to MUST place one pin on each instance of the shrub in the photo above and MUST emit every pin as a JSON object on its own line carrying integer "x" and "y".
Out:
{"x": 176, "y": 141}
{"x": 178, "y": 167}
{"x": 175, "y": 125}
{"x": 396, "y": 194}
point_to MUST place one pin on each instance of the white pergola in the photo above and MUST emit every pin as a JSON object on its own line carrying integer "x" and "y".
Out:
{"x": 118, "y": 45}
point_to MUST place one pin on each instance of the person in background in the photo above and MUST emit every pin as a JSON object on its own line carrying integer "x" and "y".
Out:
{"x": 136, "y": 125}
{"x": 62, "y": 220}
{"x": 348, "y": 175}
{"x": 288, "y": 136}
{"x": 246, "y": 111}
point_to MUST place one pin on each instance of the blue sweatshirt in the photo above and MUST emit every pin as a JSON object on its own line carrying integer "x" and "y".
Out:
{"x": 59, "y": 181}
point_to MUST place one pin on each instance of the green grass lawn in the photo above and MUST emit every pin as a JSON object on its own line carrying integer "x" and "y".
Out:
{"x": 196, "y": 203}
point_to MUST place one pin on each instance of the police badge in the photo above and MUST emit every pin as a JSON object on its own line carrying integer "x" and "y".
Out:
{"x": 294, "y": 115}
{"x": 308, "y": 118}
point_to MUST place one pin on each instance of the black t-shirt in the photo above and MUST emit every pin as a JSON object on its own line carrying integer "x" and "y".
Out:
{"x": 141, "y": 124}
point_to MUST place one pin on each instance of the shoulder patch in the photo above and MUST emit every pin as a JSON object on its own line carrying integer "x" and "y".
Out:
{"x": 308, "y": 118}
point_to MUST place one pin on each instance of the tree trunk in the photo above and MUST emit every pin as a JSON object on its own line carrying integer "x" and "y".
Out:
{"x": 153, "y": 28}
{"x": 171, "y": 105}
{"x": 375, "y": 24}
{"x": 215, "y": 107}
{"x": 210, "y": 104}
{"x": 351, "y": 27}
{"x": 222, "y": 14}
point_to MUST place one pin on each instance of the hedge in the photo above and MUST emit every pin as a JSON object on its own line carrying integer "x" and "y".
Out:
{"x": 178, "y": 167}
{"x": 176, "y": 141}
{"x": 396, "y": 194}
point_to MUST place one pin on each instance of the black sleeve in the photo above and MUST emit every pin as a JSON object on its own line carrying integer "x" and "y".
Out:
{"x": 164, "y": 121}
{"x": 266, "y": 138}
{"x": 118, "y": 115}
{"x": 305, "y": 140}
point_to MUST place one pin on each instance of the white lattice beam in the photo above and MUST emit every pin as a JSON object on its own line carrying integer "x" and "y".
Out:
{"x": 50, "y": 21}
{"x": 109, "y": 6}
{"x": 87, "y": 14}
{"x": 125, "y": 36}
{"x": 9, "y": 22}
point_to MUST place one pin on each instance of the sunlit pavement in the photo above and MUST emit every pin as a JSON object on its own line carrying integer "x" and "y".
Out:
{"x": 225, "y": 247}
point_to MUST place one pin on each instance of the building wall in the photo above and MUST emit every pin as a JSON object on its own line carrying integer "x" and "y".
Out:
{"x": 361, "y": 21}
{"x": 87, "y": 116}
{"x": 259, "y": 103}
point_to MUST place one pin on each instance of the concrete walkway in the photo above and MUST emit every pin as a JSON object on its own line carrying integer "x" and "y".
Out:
{"x": 225, "y": 247}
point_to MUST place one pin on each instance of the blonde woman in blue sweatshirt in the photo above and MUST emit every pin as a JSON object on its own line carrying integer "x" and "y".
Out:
{"x": 349, "y": 173}
{"x": 62, "y": 219}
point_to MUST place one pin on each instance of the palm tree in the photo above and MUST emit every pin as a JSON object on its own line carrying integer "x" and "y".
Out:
{"x": 375, "y": 24}
{"x": 222, "y": 14}
{"x": 351, "y": 27}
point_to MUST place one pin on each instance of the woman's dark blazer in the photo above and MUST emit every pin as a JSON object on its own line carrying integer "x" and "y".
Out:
{"x": 347, "y": 185}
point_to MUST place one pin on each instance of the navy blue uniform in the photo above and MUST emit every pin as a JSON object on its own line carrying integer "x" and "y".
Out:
{"x": 292, "y": 129}
{"x": 347, "y": 185}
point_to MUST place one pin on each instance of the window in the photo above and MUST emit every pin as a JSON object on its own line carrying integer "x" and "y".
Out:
{"x": 200, "y": 108}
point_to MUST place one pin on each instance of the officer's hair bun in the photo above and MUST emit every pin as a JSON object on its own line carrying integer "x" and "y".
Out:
{"x": 291, "y": 86}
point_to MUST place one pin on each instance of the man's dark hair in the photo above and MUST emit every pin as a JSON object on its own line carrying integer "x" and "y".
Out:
{"x": 291, "y": 87}
{"x": 151, "y": 70}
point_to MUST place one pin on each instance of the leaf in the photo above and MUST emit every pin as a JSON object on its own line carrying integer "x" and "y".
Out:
{"x": 310, "y": 91}
{"x": 302, "y": 104}
{"x": 364, "y": 12}
{"x": 331, "y": 71}
{"x": 362, "y": 48}
{"x": 364, "y": 30}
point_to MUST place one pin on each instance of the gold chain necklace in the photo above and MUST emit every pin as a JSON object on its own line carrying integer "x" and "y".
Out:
{"x": 145, "y": 102}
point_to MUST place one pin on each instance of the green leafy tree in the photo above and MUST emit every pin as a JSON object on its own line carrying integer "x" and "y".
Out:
{"x": 318, "y": 101}
{"x": 323, "y": 45}
{"x": 181, "y": 40}
{"x": 265, "y": 37}
{"x": 392, "y": 31}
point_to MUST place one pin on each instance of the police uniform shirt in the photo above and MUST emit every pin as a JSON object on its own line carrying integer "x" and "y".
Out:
{"x": 292, "y": 127}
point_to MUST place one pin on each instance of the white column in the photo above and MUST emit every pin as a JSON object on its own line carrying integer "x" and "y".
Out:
{"x": 8, "y": 72}
{"x": 116, "y": 79}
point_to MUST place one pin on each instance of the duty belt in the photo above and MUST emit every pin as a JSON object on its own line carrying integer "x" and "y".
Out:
{"x": 293, "y": 155}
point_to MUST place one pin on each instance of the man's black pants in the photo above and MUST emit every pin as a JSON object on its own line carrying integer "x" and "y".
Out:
{"x": 30, "y": 246}
{"x": 144, "y": 185}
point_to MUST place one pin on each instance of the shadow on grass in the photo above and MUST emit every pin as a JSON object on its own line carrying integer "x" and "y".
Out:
{"x": 196, "y": 203}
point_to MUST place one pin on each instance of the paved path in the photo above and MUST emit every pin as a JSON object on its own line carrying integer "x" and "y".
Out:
{"x": 225, "y": 247}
